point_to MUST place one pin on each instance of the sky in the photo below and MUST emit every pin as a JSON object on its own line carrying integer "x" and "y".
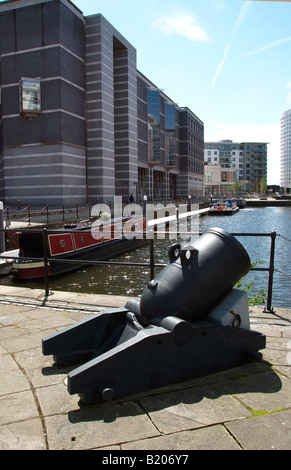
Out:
{"x": 229, "y": 61}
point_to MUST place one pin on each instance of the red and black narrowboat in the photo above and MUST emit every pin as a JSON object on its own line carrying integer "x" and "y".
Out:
{"x": 73, "y": 243}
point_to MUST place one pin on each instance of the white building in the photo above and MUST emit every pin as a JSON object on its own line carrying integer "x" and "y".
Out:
{"x": 285, "y": 161}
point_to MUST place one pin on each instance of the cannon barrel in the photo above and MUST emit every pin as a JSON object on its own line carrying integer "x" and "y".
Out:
{"x": 197, "y": 278}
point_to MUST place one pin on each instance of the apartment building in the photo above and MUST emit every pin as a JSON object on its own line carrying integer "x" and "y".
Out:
{"x": 78, "y": 122}
{"x": 243, "y": 163}
{"x": 285, "y": 160}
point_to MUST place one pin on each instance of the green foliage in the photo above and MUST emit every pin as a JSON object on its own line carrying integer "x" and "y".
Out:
{"x": 263, "y": 185}
{"x": 257, "y": 298}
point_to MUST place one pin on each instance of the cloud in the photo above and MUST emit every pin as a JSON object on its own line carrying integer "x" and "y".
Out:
{"x": 264, "y": 48}
{"x": 219, "y": 5}
{"x": 241, "y": 17}
{"x": 182, "y": 25}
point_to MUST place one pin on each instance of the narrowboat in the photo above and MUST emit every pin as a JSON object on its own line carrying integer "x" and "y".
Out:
{"x": 66, "y": 246}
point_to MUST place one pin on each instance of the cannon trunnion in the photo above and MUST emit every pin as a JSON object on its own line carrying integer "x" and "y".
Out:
{"x": 189, "y": 322}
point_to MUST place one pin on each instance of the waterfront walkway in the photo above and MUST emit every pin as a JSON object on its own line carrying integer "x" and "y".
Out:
{"x": 244, "y": 408}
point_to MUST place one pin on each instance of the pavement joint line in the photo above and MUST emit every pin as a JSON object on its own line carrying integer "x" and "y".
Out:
{"x": 37, "y": 403}
{"x": 233, "y": 436}
{"x": 53, "y": 307}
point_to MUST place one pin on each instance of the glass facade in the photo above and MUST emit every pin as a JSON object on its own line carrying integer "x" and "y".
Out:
{"x": 154, "y": 142}
{"x": 170, "y": 135}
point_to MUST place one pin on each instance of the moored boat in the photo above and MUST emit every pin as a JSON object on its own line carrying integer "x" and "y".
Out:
{"x": 6, "y": 262}
{"x": 223, "y": 208}
{"x": 72, "y": 243}
{"x": 241, "y": 203}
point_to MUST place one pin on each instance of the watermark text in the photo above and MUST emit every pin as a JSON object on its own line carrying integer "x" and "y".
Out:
{"x": 147, "y": 220}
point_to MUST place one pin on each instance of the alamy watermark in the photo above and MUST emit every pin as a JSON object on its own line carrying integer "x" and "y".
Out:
{"x": 144, "y": 220}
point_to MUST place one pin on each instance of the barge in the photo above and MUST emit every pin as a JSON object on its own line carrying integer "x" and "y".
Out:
{"x": 66, "y": 247}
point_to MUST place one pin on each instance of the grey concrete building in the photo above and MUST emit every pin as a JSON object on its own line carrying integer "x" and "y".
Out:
{"x": 42, "y": 114}
{"x": 111, "y": 117}
{"x": 191, "y": 154}
{"x": 78, "y": 122}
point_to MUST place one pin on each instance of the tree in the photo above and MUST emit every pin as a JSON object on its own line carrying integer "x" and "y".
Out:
{"x": 236, "y": 186}
{"x": 263, "y": 185}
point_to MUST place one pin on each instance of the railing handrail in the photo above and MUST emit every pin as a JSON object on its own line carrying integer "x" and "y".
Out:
{"x": 151, "y": 264}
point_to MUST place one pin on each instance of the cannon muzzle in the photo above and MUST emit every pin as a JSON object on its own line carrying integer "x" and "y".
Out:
{"x": 197, "y": 278}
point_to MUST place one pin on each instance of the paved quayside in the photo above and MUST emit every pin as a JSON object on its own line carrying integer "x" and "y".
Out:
{"x": 244, "y": 408}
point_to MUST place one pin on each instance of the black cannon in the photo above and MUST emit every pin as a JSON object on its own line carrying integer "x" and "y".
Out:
{"x": 189, "y": 322}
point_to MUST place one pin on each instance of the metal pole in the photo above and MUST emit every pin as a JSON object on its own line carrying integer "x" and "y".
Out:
{"x": 45, "y": 260}
{"x": 152, "y": 261}
{"x": 2, "y": 234}
{"x": 7, "y": 217}
{"x": 269, "y": 307}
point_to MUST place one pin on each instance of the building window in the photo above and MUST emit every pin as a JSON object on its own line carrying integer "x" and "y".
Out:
{"x": 30, "y": 103}
{"x": 154, "y": 125}
{"x": 208, "y": 176}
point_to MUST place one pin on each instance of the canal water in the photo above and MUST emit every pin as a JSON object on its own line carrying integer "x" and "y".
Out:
{"x": 130, "y": 280}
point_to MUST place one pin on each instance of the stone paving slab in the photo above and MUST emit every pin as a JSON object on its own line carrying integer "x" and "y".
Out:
{"x": 265, "y": 432}
{"x": 214, "y": 437}
{"x": 99, "y": 426}
{"x": 192, "y": 408}
{"x": 244, "y": 408}
{"x": 23, "y": 435}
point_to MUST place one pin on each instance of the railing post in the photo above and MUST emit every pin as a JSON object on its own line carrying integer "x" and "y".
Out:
{"x": 45, "y": 260}
{"x": 7, "y": 217}
{"x": 152, "y": 261}
{"x": 269, "y": 307}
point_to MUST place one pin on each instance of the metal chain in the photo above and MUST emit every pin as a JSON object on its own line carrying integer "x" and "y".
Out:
{"x": 278, "y": 270}
{"x": 282, "y": 236}
{"x": 281, "y": 272}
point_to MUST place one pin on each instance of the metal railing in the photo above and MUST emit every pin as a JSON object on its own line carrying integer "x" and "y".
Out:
{"x": 151, "y": 265}
{"x": 271, "y": 267}
{"x": 46, "y": 214}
